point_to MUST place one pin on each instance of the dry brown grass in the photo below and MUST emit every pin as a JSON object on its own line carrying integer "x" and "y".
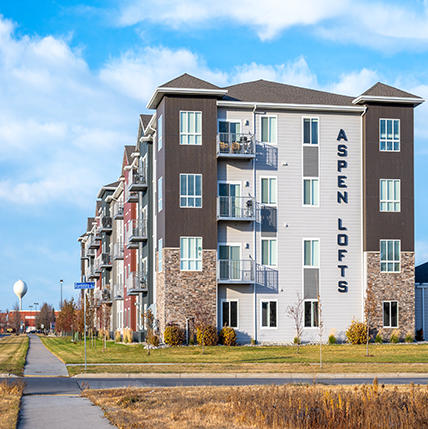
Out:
{"x": 286, "y": 406}
{"x": 10, "y": 397}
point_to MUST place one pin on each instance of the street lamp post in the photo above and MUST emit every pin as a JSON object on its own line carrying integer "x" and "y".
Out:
{"x": 61, "y": 295}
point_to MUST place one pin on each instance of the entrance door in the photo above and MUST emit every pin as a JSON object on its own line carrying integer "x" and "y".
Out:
{"x": 230, "y": 264}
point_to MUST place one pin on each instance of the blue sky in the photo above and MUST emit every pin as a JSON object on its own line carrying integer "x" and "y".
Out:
{"x": 76, "y": 75}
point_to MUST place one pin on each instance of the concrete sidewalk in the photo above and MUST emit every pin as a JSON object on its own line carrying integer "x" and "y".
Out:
{"x": 60, "y": 405}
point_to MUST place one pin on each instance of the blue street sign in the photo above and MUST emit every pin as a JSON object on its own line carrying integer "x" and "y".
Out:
{"x": 87, "y": 285}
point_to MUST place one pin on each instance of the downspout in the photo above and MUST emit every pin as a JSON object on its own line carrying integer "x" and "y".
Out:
{"x": 423, "y": 312}
{"x": 364, "y": 255}
{"x": 254, "y": 229}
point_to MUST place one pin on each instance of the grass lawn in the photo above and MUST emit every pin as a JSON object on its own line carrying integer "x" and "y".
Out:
{"x": 296, "y": 406}
{"x": 13, "y": 350}
{"x": 10, "y": 397}
{"x": 245, "y": 359}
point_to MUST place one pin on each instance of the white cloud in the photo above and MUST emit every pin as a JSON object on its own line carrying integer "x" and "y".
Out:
{"x": 377, "y": 24}
{"x": 354, "y": 83}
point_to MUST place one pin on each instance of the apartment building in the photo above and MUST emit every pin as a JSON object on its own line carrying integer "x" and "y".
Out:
{"x": 249, "y": 196}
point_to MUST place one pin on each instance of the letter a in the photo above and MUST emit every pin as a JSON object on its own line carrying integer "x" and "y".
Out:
{"x": 342, "y": 136}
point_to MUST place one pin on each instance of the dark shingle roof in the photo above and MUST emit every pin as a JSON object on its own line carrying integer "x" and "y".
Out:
{"x": 263, "y": 91}
{"x": 112, "y": 185}
{"x": 421, "y": 273}
{"x": 128, "y": 151}
{"x": 188, "y": 81}
{"x": 97, "y": 208}
{"x": 90, "y": 222}
{"x": 382, "y": 90}
{"x": 145, "y": 119}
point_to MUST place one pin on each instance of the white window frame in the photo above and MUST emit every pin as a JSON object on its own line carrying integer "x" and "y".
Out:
{"x": 312, "y": 240}
{"x": 387, "y": 201}
{"x": 160, "y": 193}
{"x": 313, "y": 325}
{"x": 310, "y": 118}
{"x": 237, "y": 312}
{"x": 261, "y": 313}
{"x": 160, "y": 252}
{"x": 186, "y": 206}
{"x": 269, "y": 132}
{"x": 160, "y": 132}
{"x": 187, "y": 134}
{"x": 311, "y": 179}
{"x": 386, "y": 139}
{"x": 269, "y": 178}
{"x": 390, "y": 261}
{"x": 390, "y": 313}
{"x": 269, "y": 239}
{"x": 198, "y": 258}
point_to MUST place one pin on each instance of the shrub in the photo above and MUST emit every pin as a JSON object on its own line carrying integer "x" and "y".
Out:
{"x": 253, "y": 342}
{"x": 127, "y": 336}
{"x": 191, "y": 341}
{"x": 152, "y": 339}
{"x": 409, "y": 337}
{"x": 332, "y": 339}
{"x": 117, "y": 337}
{"x": 210, "y": 336}
{"x": 419, "y": 335}
{"x": 395, "y": 336}
{"x": 378, "y": 339}
{"x": 297, "y": 340}
{"x": 227, "y": 336}
{"x": 357, "y": 332}
{"x": 173, "y": 335}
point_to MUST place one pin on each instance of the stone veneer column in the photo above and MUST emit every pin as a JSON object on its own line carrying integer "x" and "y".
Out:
{"x": 181, "y": 293}
{"x": 396, "y": 287}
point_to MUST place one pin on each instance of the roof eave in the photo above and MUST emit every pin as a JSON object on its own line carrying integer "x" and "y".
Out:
{"x": 160, "y": 92}
{"x": 415, "y": 101}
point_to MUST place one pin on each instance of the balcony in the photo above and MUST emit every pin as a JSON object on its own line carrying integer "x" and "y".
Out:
{"x": 236, "y": 208}
{"x": 235, "y": 271}
{"x": 105, "y": 260}
{"x": 92, "y": 242}
{"x": 234, "y": 145}
{"x": 136, "y": 233}
{"x": 137, "y": 182}
{"x": 97, "y": 264}
{"x": 118, "y": 211}
{"x": 118, "y": 291}
{"x": 92, "y": 273}
{"x": 90, "y": 253}
{"x": 136, "y": 283}
{"x": 106, "y": 224}
{"x": 106, "y": 296}
{"x": 83, "y": 254}
{"x": 118, "y": 251}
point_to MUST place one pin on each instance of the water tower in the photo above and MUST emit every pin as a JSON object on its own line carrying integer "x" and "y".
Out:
{"x": 20, "y": 289}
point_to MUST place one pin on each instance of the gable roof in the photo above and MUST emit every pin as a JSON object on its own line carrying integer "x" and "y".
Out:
{"x": 91, "y": 220}
{"x": 145, "y": 119}
{"x": 421, "y": 273}
{"x": 381, "y": 90}
{"x": 263, "y": 91}
{"x": 188, "y": 81}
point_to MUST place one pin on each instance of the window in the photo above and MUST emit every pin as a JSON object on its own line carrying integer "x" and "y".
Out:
{"x": 190, "y": 190}
{"x": 310, "y": 130}
{"x": 159, "y": 194}
{"x": 160, "y": 246}
{"x": 390, "y": 135}
{"x": 390, "y": 314}
{"x": 389, "y": 195}
{"x": 191, "y": 254}
{"x": 269, "y": 190}
{"x": 269, "y": 314}
{"x": 390, "y": 256}
{"x": 310, "y": 192}
{"x": 269, "y": 252}
{"x": 311, "y": 314}
{"x": 191, "y": 128}
{"x": 269, "y": 129}
{"x": 160, "y": 132}
{"x": 311, "y": 250}
{"x": 230, "y": 314}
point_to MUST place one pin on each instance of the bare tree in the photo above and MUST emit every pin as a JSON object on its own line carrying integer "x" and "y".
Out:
{"x": 320, "y": 326}
{"x": 45, "y": 317}
{"x": 369, "y": 310}
{"x": 16, "y": 318}
{"x": 295, "y": 312}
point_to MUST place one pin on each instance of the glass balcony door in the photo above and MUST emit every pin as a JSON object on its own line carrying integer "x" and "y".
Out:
{"x": 230, "y": 263}
{"x": 229, "y": 131}
{"x": 229, "y": 199}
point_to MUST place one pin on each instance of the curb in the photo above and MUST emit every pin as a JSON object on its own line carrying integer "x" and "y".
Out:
{"x": 9, "y": 376}
{"x": 257, "y": 375}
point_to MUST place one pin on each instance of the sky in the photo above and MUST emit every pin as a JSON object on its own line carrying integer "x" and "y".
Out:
{"x": 74, "y": 77}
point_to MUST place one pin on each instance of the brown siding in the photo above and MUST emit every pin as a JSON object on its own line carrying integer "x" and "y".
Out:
{"x": 388, "y": 165}
{"x": 175, "y": 159}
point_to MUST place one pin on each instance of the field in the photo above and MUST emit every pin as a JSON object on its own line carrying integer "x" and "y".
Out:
{"x": 13, "y": 350}
{"x": 10, "y": 397}
{"x": 336, "y": 358}
{"x": 288, "y": 406}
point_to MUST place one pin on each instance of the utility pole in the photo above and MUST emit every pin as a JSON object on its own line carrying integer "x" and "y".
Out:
{"x": 61, "y": 295}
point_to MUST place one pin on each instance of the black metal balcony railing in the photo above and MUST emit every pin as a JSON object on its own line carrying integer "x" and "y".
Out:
{"x": 118, "y": 251}
{"x": 105, "y": 260}
{"x": 136, "y": 282}
{"x": 118, "y": 210}
{"x": 90, "y": 253}
{"x": 92, "y": 242}
{"x": 236, "y": 208}
{"x": 235, "y": 145}
{"x": 106, "y": 224}
{"x": 106, "y": 296}
{"x": 136, "y": 232}
{"x": 92, "y": 273}
{"x": 83, "y": 253}
{"x": 118, "y": 291}
{"x": 137, "y": 182}
{"x": 235, "y": 271}
{"x": 97, "y": 264}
